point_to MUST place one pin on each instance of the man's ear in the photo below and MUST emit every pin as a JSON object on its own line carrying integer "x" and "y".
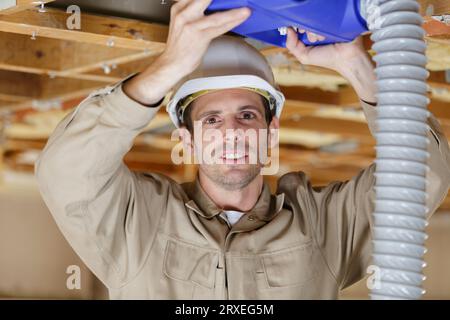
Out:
{"x": 275, "y": 123}
{"x": 187, "y": 141}
{"x": 273, "y": 134}
{"x": 186, "y": 137}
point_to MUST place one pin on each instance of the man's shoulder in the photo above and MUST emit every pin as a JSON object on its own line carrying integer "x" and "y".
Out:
{"x": 159, "y": 181}
{"x": 298, "y": 181}
{"x": 292, "y": 179}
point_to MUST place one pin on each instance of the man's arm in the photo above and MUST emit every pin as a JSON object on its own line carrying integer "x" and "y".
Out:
{"x": 343, "y": 219}
{"x": 438, "y": 177}
{"x": 343, "y": 215}
{"x": 106, "y": 212}
{"x": 356, "y": 66}
{"x": 91, "y": 194}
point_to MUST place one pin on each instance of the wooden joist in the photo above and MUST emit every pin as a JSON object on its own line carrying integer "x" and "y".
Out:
{"x": 56, "y": 55}
{"x": 102, "y": 43}
{"x": 8, "y": 7}
{"x": 434, "y": 7}
{"x": 100, "y": 30}
{"x": 93, "y": 68}
{"x": 344, "y": 96}
{"x": 18, "y": 90}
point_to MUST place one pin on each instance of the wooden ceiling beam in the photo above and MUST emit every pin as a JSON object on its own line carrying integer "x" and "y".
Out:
{"x": 125, "y": 69}
{"x": 436, "y": 29}
{"x": 105, "y": 66}
{"x": 19, "y": 84}
{"x": 100, "y": 30}
{"x": 15, "y": 6}
{"x": 13, "y": 97}
{"x": 434, "y": 7}
{"x": 45, "y": 56}
{"x": 346, "y": 97}
{"x": 439, "y": 79}
{"x": 344, "y": 128}
{"x": 50, "y": 55}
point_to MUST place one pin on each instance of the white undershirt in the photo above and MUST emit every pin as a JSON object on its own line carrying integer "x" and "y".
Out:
{"x": 233, "y": 216}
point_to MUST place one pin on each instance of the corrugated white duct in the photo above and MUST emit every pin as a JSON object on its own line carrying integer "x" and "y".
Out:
{"x": 401, "y": 163}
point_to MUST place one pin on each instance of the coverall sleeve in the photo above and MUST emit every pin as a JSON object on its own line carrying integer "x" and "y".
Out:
{"x": 342, "y": 217}
{"x": 96, "y": 201}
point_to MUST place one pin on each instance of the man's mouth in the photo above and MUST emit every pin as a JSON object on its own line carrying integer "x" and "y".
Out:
{"x": 234, "y": 156}
{"x": 238, "y": 157}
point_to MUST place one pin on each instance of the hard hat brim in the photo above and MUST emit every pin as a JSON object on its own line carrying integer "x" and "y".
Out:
{"x": 222, "y": 82}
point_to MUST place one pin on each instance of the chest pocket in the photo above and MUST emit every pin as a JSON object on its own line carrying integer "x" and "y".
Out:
{"x": 288, "y": 267}
{"x": 189, "y": 263}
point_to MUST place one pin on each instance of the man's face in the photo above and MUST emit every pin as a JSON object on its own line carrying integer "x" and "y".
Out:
{"x": 231, "y": 135}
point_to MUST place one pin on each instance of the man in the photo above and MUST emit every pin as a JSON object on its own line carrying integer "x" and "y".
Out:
{"x": 223, "y": 236}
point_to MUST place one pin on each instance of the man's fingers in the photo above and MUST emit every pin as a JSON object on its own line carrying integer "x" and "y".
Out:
{"x": 221, "y": 22}
{"x": 178, "y": 7}
{"x": 292, "y": 39}
{"x": 359, "y": 41}
{"x": 311, "y": 37}
{"x": 195, "y": 9}
{"x": 295, "y": 46}
{"x": 319, "y": 37}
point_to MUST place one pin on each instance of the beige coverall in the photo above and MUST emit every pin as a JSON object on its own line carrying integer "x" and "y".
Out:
{"x": 147, "y": 237}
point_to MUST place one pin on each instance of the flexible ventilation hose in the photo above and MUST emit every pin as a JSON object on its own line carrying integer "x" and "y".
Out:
{"x": 401, "y": 163}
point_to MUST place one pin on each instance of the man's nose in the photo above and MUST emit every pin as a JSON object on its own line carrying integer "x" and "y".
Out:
{"x": 233, "y": 131}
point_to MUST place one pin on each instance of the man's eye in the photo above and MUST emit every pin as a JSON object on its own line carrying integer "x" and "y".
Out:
{"x": 248, "y": 116}
{"x": 211, "y": 120}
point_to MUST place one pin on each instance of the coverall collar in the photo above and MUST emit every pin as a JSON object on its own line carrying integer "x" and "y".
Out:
{"x": 265, "y": 209}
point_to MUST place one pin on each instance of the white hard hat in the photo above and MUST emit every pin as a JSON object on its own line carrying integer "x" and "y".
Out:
{"x": 230, "y": 62}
